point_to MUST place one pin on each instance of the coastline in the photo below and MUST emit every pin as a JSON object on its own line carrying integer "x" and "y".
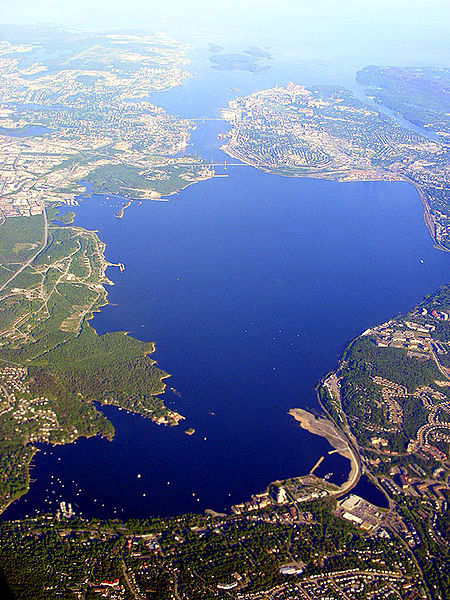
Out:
{"x": 325, "y": 427}
{"x": 34, "y": 451}
{"x": 161, "y": 416}
{"x": 427, "y": 216}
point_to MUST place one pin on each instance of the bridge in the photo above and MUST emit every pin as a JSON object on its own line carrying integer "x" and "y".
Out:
{"x": 225, "y": 164}
{"x": 203, "y": 119}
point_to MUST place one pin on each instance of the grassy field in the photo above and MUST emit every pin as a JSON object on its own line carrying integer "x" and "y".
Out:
{"x": 20, "y": 238}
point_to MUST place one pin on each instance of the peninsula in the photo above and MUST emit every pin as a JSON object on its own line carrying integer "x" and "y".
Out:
{"x": 52, "y": 363}
{"x": 327, "y": 132}
{"x": 303, "y": 537}
{"x": 386, "y": 408}
{"x": 338, "y": 440}
{"x": 91, "y": 122}
{"x": 84, "y": 120}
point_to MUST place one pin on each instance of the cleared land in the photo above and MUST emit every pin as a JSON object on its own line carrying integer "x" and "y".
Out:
{"x": 336, "y": 437}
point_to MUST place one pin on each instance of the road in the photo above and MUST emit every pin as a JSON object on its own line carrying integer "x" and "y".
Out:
{"x": 442, "y": 369}
{"x": 131, "y": 585}
{"x": 355, "y": 457}
{"x": 30, "y": 260}
{"x": 354, "y": 475}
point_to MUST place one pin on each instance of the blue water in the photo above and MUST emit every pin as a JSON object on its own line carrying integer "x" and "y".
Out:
{"x": 209, "y": 90}
{"x": 366, "y": 489}
{"x": 30, "y": 130}
{"x": 251, "y": 285}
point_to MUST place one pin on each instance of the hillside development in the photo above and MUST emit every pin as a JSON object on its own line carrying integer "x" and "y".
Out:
{"x": 387, "y": 409}
{"x": 391, "y": 394}
{"x": 303, "y": 537}
{"x": 83, "y": 121}
{"x": 327, "y": 132}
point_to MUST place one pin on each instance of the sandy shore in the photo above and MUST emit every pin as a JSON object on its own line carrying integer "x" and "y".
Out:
{"x": 327, "y": 429}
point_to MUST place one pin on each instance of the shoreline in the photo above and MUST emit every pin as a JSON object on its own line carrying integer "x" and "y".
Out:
{"x": 167, "y": 416}
{"x": 428, "y": 219}
{"x": 326, "y": 428}
{"x": 427, "y": 216}
{"x": 311, "y": 174}
{"x": 36, "y": 450}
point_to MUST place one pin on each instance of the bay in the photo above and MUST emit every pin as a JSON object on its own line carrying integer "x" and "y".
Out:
{"x": 251, "y": 286}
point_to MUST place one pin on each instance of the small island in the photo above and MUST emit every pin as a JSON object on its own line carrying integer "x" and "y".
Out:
{"x": 252, "y": 60}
